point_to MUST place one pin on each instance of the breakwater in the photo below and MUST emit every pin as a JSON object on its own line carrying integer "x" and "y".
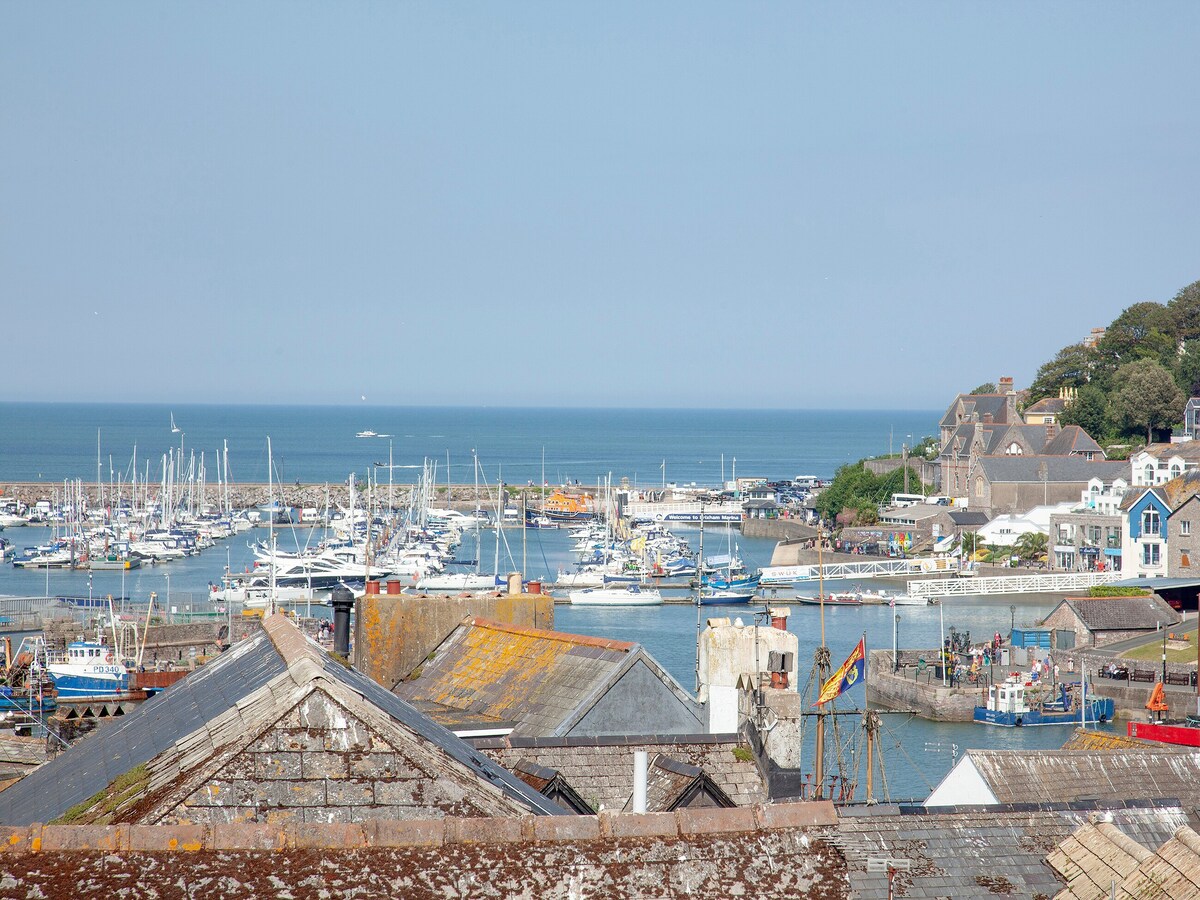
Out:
{"x": 248, "y": 495}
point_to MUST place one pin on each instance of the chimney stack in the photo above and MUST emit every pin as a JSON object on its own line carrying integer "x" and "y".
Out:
{"x": 987, "y": 418}
{"x": 1051, "y": 431}
{"x": 342, "y": 602}
{"x": 1006, "y": 385}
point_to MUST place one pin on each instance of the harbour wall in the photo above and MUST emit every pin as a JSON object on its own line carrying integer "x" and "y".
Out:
{"x": 916, "y": 689}
{"x": 778, "y": 530}
{"x": 245, "y": 496}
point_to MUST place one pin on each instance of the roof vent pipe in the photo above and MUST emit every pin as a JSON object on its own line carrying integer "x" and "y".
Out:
{"x": 641, "y": 766}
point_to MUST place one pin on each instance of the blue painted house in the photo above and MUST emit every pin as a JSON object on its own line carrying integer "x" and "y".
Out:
{"x": 1144, "y": 549}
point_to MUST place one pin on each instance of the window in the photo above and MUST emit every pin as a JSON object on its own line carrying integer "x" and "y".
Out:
{"x": 1150, "y": 554}
{"x": 1185, "y": 527}
{"x": 1149, "y": 473}
{"x": 1150, "y": 522}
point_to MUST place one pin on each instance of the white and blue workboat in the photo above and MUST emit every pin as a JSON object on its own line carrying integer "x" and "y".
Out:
{"x": 1008, "y": 707}
{"x": 90, "y": 670}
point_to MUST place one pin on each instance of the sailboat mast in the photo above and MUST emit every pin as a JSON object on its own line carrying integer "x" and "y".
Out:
{"x": 699, "y": 590}
{"x": 271, "y": 526}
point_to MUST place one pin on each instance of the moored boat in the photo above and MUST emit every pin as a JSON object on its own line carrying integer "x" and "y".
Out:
{"x": 1008, "y": 707}
{"x": 629, "y": 595}
{"x": 90, "y": 669}
{"x": 831, "y": 600}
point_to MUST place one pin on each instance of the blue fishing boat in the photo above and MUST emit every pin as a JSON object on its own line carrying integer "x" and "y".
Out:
{"x": 24, "y": 702}
{"x": 91, "y": 670}
{"x": 1008, "y": 707}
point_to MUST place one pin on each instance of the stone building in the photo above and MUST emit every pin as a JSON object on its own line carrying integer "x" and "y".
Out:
{"x": 1016, "y": 484}
{"x": 1098, "y": 621}
{"x": 274, "y": 730}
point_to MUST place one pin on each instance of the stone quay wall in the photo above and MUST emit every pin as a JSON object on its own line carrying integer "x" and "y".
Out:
{"x": 918, "y": 689}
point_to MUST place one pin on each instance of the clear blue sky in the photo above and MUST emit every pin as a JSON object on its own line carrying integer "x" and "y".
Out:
{"x": 618, "y": 204}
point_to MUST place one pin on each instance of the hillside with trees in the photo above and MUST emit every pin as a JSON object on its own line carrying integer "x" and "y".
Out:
{"x": 1131, "y": 386}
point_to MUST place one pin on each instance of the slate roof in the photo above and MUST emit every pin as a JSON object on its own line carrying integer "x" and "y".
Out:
{"x": 983, "y": 851}
{"x": 1073, "y": 439}
{"x": 671, "y": 784}
{"x": 1047, "y": 406}
{"x": 601, "y": 769}
{"x": 1059, "y": 469}
{"x": 211, "y": 709}
{"x": 1184, "y": 450}
{"x": 975, "y": 406}
{"x": 1123, "y": 613}
{"x": 968, "y": 518}
{"x": 1150, "y": 772}
{"x": 543, "y": 681}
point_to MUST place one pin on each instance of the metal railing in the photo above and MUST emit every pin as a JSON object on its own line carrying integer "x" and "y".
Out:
{"x": 1012, "y": 584}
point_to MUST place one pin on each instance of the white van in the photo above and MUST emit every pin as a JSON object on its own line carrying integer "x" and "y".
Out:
{"x": 907, "y": 499}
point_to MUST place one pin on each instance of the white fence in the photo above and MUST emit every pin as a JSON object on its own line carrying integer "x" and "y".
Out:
{"x": 1012, "y": 584}
{"x": 877, "y": 569}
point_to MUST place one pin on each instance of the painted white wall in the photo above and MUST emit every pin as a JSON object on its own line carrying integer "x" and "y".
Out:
{"x": 962, "y": 786}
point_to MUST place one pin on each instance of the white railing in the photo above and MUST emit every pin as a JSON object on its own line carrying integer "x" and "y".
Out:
{"x": 1012, "y": 584}
{"x": 876, "y": 569}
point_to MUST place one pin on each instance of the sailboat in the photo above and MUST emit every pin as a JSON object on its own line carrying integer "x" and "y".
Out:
{"x": 730, "y": 593}
{"x": 174, "y": 428}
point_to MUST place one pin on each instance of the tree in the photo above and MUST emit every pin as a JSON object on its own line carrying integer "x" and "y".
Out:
{"x": 970, "y": 543}
{"x": 1185, "y": 312}
{"x": 1146, "y": 397}
{"x": 1032, "y": 546}
{"x": 1188, "y": 374}
{"x": 1089, "y": 410}
{"x": 1143, "y": 331}
{"x": 988, "y": 387}
{"x": 1071, "y": 367}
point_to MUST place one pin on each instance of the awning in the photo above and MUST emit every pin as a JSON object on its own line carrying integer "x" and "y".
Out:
{"x": 1112, "y": 551}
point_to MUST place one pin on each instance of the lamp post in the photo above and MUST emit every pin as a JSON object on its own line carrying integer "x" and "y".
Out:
{"x": 1012, "y": 622}
{"x": 895, "y": 653}
{"x": 169, "y": 616}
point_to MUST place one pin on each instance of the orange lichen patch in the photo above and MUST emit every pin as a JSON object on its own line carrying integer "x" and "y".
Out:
{"x": 582, "y": 640}
{"x": 1086, "y": 739}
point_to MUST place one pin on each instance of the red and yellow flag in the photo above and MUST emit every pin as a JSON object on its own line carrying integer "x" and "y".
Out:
{"x": 847, "y": 676}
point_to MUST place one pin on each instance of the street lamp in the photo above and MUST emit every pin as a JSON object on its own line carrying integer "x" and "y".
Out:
{"x": 1012, "y": 621}
{"x": 895, "y": 655}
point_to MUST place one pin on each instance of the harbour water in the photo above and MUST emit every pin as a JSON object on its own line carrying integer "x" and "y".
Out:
{"x": 57, "y": 441}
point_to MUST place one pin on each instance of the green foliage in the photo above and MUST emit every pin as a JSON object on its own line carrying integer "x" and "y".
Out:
{"x": 1031, "y": 546}
{"x": 1111, "y": 590}
{"x": 1187, "y": 376}
{"x": 970, "y": 542}
{"x": 1185, "y": 312}
{"x": 743, "y": 754}
{"x": 1146, "y": 397}
{"x": 1072, "y": 366}
{"x": 1143, "y": 331}
{"x": 988, "y": 387}
{"x": 1089, "y": 411}
{"x": 856, "y": 489}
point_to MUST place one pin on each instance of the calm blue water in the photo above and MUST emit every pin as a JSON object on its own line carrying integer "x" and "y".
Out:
{"x": 50, "y": 442}
{"x": 56, "y": 441}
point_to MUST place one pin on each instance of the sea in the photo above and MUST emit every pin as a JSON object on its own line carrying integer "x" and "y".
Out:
{"x": 58, "y": 442}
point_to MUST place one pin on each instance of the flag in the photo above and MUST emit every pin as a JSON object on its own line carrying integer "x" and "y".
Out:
{"x": 847, "y": 676}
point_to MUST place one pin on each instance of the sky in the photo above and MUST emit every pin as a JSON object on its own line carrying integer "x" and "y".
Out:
{"x": 677, "y": 204}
